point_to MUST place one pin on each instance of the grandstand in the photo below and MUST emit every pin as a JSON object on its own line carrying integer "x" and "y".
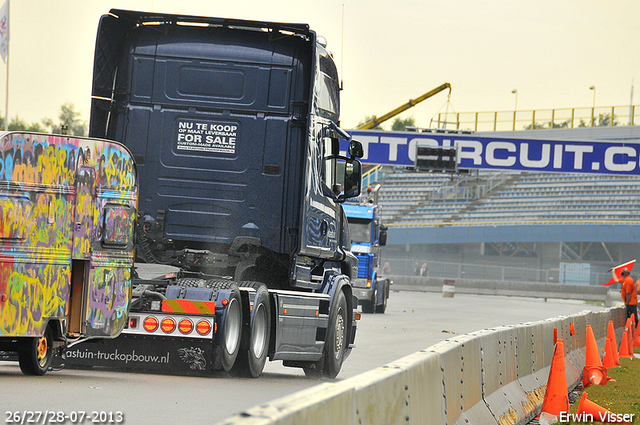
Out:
{"x": 422, "y": 199}
{"x": 529, "y": 223}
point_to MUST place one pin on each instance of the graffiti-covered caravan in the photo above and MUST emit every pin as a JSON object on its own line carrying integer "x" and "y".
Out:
{"x": 67, "y": 209}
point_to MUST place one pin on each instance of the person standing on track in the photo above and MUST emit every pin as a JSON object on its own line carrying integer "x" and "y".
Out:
{"x": 629, "y": 293}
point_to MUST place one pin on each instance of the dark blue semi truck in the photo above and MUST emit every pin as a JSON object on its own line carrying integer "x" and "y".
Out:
{"x": 234, "y": 126}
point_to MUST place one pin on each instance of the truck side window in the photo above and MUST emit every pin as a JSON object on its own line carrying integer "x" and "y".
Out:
{"x": 329, "y": 163}
{"x": 328, "y": 100}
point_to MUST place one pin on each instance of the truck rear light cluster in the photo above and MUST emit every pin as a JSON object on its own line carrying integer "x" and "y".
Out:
{"x": 171, "y": 325}
{"x": 185, "y": 326}
{"x": 150, "y": 324}
{"x": 203, "y": 327}
{"x": 168, "y": 325}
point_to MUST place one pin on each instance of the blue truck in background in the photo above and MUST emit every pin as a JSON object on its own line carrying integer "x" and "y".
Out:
{"x": 234, "y": 127}
{"x": 368, "y": 235}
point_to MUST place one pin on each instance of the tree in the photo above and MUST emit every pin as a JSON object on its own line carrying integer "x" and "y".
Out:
{"x": 534, "y": 126}
{"x": 369, "y": 118}
{"x": 563, "y": 124}
{"x": 605, "y": 120}
{"x": 18, "y": 124}
{"x": 400, "y": 124}
{"x": 70, "y": 121}
{"x": 539, "y": 126}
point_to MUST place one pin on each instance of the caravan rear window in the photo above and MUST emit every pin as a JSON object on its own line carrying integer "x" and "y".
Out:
{"x": 117, "y": 226}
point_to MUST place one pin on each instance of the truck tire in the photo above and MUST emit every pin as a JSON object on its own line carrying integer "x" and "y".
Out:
{"x": 336, "y": 343}
{"x": 231, "y": 326}
{"x": 35, "y": 354}
{"x": 191, "y": 282}
{"x": 256, "y": 335}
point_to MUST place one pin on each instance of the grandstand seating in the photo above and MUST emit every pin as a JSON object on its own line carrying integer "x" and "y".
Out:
{"x": 422, "y": 199}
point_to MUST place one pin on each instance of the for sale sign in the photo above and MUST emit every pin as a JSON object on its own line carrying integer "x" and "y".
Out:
{"x": 207, "y": 136}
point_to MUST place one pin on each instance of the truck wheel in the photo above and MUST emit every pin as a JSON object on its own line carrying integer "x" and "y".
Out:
{"x": 255, "y": 341}
{"x": 231, "y": 326}
{"x": 336, "y": 343}
{"x": 35, "y": 354}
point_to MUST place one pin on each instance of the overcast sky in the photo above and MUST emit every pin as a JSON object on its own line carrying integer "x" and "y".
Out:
{"x": 551, "y": 52}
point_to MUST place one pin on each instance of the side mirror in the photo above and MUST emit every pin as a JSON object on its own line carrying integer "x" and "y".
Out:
{"x": 382, "y": 237}
{"x": 352, "y": 179}
{"x": 355, "y": 149}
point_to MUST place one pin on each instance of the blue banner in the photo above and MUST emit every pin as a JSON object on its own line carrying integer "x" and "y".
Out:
{"x": 476, "y": 152}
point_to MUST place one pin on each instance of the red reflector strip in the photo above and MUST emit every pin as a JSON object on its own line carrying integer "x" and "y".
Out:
{"x": 189, "y": 307}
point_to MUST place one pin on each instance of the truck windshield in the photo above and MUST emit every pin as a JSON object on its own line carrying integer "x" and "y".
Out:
{"x": 360, "y": 230}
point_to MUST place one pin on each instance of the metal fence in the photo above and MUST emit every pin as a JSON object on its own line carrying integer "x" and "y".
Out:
{"x": 543, "y": 118}
{"x": 563, "y": 273}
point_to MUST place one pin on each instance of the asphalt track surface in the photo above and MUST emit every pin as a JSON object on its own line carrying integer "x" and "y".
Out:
{"x": 413, "y": 321}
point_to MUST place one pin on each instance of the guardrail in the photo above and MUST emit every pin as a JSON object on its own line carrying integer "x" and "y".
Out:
{"x": 605, "y": 116}
{"x": 494, "y": 376}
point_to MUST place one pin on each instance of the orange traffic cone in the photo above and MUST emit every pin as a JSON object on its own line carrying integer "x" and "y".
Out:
{"x": 624, "y": 345}
{"x": 590, "y": 411}
{"x": 636, "y": 341}
{"x": 609, "y": 358}
{"x": 556, "y": 396}
{"x": 611, "y": 333}
{"x": 593, "y": 372}
{"x": 629, "y": 327}
{"x": 593, "y": 354}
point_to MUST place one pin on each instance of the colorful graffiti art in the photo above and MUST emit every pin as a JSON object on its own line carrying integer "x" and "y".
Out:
{"x": 65, "y": 200}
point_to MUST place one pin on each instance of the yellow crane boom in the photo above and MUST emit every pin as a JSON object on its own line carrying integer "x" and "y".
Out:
{"x": 400, "y": 109}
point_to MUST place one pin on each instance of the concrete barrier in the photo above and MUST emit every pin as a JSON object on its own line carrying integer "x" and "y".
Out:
{"x": 494, "y": 376}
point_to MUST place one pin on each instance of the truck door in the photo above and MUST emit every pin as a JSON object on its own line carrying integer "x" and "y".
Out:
{"x": 320, "y": 222}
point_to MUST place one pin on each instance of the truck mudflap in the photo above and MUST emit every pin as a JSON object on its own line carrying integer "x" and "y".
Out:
{"x": 156, "y": 342}
{"x": 174, "y": 335}
{"x": 140, "y": 353}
